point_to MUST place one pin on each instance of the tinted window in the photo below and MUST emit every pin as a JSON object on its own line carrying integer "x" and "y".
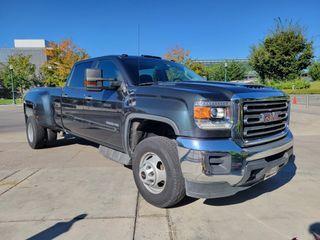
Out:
{"x": 144, "y": 71}
{"x": 77, "y": 77}
{"x": 109, "y": 70}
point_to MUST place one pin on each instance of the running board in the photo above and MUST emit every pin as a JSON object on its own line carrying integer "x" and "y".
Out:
{"x": 115, "y": 155}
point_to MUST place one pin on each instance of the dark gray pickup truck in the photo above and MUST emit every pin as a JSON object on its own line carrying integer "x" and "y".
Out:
{"x": 182, "y": 135}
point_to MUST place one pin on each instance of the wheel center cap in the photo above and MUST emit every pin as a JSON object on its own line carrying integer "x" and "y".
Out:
{"x": 152, "y": 173}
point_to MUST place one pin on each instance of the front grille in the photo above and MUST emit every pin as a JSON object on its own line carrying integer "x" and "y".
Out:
{"x": 264, "y": 119}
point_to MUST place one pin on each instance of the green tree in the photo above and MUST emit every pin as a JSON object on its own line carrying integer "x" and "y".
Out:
{"x": 283, "y": 54}
{"x": 61, "y": 58}
{"x": 21, "y": 71}
{"x": 314, "y": 71}
{"x": 235, "y": 71}
{"x": 216, "y": 72}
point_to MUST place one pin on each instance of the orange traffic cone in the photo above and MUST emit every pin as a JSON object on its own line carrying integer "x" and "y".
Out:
{"x": 294, "y": 100}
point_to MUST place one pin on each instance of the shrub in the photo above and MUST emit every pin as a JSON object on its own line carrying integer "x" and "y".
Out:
{"x": 314, "y": 71}
{"x": 314, "y": 89}
{"x": 235, "y": 71}
{"x": 288, "y": 85}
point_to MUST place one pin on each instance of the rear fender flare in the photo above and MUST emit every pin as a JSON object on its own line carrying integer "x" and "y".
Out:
{"x": 39, "y": 105}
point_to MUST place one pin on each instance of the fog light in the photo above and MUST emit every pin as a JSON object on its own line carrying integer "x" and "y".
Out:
{"x": 217, "y": 163}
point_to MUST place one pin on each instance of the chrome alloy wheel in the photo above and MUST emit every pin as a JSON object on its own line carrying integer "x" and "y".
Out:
{"x": 152, "y": 173}
{"x": 30, "y": 132}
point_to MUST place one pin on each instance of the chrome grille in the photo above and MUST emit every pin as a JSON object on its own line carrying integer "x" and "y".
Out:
{"x": 264, "y": 119}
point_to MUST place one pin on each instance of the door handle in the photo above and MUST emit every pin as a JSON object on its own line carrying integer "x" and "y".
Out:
{"x": 88, "y": 98}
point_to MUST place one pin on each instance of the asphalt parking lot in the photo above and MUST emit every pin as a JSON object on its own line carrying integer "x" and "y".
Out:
{"x": 71, "y": 192}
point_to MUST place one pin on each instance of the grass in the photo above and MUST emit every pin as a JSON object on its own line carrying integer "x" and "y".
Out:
{"x": 5, "y": 101}
{"x": 314, "y": 89}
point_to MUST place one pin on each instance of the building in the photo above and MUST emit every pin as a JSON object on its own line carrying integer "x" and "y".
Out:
{"x": 35, "y": 48}
{"x": 28, "y": 47}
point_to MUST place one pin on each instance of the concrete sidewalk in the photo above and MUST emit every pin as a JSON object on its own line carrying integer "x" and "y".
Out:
{"x": 72, "y": 192}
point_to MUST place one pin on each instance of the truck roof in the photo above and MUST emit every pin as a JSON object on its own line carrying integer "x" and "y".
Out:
{"x": 121, "y": 56}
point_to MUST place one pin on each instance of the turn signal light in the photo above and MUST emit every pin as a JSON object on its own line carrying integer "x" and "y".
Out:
{"x": 202, "y": 112}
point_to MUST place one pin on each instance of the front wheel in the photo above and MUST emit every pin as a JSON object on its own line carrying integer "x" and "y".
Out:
{"x": 157, "y": 172}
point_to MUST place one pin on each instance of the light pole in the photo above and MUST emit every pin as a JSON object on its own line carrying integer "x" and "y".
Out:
{"x": 12, "y": 83}
{"x": 225, "y": 71}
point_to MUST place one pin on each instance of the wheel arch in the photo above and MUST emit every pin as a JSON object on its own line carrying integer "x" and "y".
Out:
{"x": 142, "y": 116}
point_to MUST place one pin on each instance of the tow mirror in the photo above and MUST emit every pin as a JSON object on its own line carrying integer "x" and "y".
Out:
{"x": 95, "y": 82}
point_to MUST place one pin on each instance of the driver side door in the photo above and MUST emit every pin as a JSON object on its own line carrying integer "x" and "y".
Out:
{"x": 103, "y": 110}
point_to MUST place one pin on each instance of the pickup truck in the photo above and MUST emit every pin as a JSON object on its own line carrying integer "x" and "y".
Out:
{"x": 180, "y": 134}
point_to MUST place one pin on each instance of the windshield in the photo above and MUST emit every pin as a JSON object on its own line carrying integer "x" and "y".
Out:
{"x": 145, "y": 71}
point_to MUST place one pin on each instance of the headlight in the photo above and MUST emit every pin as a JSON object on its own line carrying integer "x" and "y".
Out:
{"x": 213, "y": 115}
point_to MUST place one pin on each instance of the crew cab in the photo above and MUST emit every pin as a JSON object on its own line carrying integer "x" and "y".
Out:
{"x": 182, "y": 135}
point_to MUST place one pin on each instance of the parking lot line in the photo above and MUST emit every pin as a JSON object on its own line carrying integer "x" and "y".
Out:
{"x": 15, "y": 179}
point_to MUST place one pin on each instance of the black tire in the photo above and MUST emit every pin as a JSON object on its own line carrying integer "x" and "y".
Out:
{"x": 51, "y": 137}
{"x": 38, "y": 138}
{"x": 174, "y": 188}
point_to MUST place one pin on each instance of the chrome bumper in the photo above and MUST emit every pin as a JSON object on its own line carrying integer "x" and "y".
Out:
{"x": 217, "y": 168}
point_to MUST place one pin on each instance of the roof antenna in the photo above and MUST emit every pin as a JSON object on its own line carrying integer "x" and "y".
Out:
{"x": 138, "y": 53}
{"x": 138, "y": 39}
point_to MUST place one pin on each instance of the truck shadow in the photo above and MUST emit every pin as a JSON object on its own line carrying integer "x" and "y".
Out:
{"x": 282, "y": 178}
{"x": 314, "y": 229}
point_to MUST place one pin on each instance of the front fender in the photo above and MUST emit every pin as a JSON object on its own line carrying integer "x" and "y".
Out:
{"x": 174, "y": 109}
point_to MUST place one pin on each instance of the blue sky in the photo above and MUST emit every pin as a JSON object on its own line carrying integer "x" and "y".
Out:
{"x": 209, "y": 29}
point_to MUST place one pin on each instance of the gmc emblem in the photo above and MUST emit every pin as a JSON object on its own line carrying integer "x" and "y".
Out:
{"x": 271, "y": 117}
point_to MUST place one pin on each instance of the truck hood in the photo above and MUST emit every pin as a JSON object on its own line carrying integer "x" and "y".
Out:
{"x": 221, "y": 90}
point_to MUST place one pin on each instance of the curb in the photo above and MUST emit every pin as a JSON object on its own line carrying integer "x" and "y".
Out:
{"x": 10, "y": 106}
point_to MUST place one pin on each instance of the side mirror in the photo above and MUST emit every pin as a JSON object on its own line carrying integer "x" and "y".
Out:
{"x": 94, "y": 82}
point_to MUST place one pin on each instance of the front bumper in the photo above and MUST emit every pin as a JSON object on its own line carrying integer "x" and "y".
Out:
{"x": 219, "y": 168}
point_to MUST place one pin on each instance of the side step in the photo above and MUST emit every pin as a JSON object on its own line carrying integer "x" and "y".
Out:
{"x": 115, "y": 155}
